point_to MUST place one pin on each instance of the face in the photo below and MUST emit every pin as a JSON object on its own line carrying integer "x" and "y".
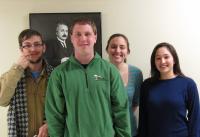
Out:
{"x": 83, "y": 39}
{"x": 62, "y": 32}
{"x": 164, "y": 62}
{"x": 117, "y": 50}
{"x": 33, "y": 49}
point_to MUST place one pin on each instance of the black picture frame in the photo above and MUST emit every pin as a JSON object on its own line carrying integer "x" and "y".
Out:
{"x": 45, "y": 23}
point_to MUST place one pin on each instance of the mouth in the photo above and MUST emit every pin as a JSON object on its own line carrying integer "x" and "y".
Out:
{"x": 34, "y": 53}
{"x": 163, "y": 66}
{"x": 84, "y": 45}
{"x": 117, "y": 56}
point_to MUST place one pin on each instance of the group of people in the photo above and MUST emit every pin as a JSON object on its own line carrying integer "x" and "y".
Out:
{"x": 86, "y": 96}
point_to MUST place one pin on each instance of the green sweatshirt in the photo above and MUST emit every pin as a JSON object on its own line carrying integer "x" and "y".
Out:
{"x": 89, "y": 102}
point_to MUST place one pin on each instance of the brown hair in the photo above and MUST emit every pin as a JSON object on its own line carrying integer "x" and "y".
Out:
{"x": 84, "y": 21}
{"x": 155, "y": 74}
{"x": 26, "y": 34}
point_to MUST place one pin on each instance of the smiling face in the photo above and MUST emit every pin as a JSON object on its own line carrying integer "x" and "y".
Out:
{"x": 33, "y": 49}
{"x": 164, "y": 62}
{"x": 117, "y": 50}
{"x": 83, "y": 39}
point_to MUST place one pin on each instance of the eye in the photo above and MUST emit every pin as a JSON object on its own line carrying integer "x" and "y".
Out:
{"x": 37, "y": 44}
{"x": 77, "y": 34}
{"x": 88, "y": 34}
{"x": 166, "y": 57}
{"x": 122, "y": 47}
{"x": 157, "y": 58}
{"x": 113, "y": 46}
{"x": 27, "y": 46}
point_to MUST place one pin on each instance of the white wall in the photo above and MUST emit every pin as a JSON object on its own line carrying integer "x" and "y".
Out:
{"x": 145, "y": 22}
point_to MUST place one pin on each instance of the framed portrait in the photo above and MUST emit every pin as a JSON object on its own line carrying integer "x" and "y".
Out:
{"x": 54, "y": 28}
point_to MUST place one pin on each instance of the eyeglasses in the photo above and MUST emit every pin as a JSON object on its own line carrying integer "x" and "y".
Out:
{"x": 35, "y": 45}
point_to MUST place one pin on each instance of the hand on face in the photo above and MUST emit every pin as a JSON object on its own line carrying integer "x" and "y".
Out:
{"x": 33, "y": 49}
{"x": 23, "y": 60}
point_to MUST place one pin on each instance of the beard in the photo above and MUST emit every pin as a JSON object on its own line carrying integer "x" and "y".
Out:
{"x": 36, "y": 61}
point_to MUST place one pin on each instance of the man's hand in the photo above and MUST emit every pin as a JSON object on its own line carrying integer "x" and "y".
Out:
{"x": 23, "y": 60}
{"x": 43, "y": 131}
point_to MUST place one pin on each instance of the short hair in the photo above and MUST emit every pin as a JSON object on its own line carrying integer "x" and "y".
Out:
{"x": 118, "y": 35}
{"x": 155, "y": 74}
{"x": 83, "y": 21}
{"x": 26, "y": 34}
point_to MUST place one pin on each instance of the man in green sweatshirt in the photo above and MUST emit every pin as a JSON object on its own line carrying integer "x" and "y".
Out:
{"x": 85, "y": 95}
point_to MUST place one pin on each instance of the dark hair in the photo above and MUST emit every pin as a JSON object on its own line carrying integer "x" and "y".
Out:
{"x": 83, "y": 21}
{"x": 26, "y": 34}
{"x": 155, "y": 74}
{"x": 118, "y": 35}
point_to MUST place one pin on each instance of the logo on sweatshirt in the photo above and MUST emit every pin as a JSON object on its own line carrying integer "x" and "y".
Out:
{"x": 97, "y": 77}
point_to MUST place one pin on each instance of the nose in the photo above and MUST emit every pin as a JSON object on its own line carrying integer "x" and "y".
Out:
{"x": 117, "y": 49}
{"x": 32, "y": 48}
{"x": 162, "y": 60}
{"x": 82, "y": 37}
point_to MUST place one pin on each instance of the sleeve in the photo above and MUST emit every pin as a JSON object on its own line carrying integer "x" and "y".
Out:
{"x": 142, "y": 129}
{"x": 8, "y": 83}
{"x": 193, "y": 110}
{"x": 138, "y": 83}
{"x": 55, "y": 110}
{"x": 119, "y": 104}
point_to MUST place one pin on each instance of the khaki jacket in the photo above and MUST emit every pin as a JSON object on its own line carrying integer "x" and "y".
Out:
{"x": 35, "y": 91}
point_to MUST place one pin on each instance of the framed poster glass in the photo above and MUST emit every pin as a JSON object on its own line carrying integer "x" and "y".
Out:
{"x": 54, "y": 28}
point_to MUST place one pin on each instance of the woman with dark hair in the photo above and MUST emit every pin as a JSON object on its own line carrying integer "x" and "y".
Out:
{"x": 118, "y": 50}
{"x": 169, "y": 101}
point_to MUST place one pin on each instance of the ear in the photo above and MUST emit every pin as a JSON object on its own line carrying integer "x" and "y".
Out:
{"x": 44, "y": 48}
{"x": 95, "y": 38}
{"x": 71, "y": 39}
{"x": 20, "y": 49}
{"x": 128, "y": 51}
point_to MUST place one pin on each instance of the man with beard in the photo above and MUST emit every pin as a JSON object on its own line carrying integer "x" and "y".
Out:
{"x": 57, "y": 49}
{"x": 23, "y": 88}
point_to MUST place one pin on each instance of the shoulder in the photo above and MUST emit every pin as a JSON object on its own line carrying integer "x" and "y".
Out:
{"x": 148, "y": 81}
{"x": 186, "y": 81}
{"x": 60, "y": 69}
{"x": 105, "y": 63}
{"x": 107, "y": 67}
{"x": 134, "y": 70}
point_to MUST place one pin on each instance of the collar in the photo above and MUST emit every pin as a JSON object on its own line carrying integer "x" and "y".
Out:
{"x": 62, "y": 41}
{"x": 74, "y": 60}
